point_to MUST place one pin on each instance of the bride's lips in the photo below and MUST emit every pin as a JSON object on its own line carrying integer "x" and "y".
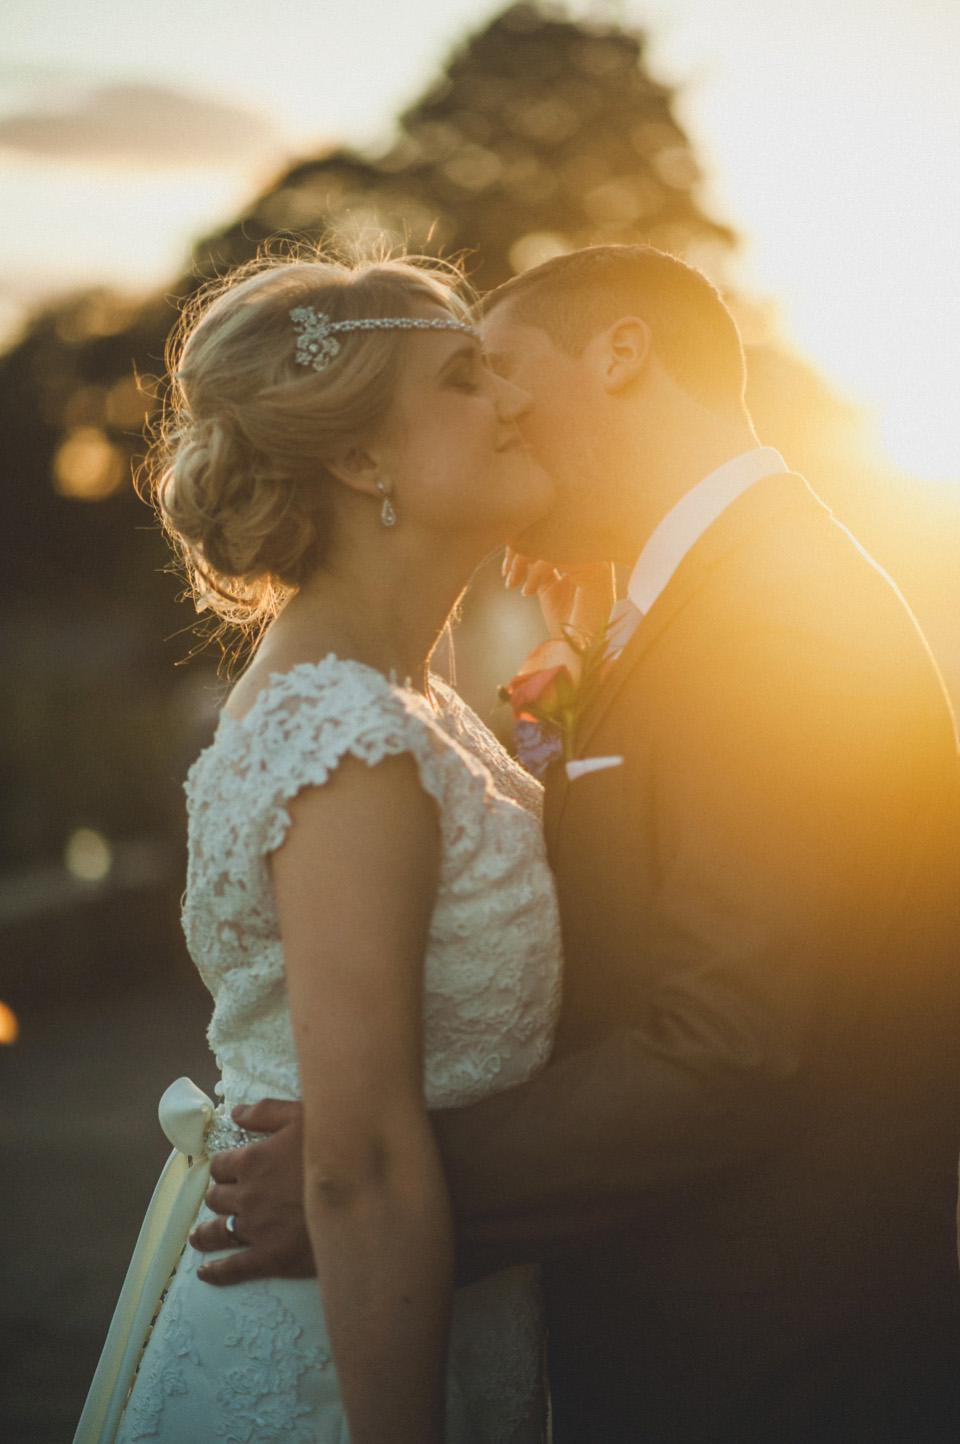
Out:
{"x": 514, "y": 443}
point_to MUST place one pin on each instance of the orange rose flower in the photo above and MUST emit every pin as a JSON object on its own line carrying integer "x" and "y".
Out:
{"x": 546, "y": 686}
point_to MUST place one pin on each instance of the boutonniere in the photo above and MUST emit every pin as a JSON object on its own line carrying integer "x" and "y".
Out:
{"x": 550, "y": 693}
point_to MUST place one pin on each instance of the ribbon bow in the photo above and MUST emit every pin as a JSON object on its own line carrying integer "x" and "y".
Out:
{"x": 185, "y": 1113}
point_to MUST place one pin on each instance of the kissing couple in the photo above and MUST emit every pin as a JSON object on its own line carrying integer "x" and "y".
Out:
{"x": 719, "y": 1177}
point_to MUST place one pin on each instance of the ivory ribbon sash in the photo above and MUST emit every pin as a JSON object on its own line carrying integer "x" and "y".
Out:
{"x": 185, "y": 1112}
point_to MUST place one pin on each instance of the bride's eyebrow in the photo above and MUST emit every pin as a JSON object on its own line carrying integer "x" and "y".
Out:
{"x": 469, "y": 351}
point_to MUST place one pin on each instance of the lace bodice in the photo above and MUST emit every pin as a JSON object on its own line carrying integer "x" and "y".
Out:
{"x": 254, "y": 1362}
{"x": 491, "y": 972}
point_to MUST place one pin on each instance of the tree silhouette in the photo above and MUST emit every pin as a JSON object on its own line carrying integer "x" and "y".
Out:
{"x": 542, "y": 134}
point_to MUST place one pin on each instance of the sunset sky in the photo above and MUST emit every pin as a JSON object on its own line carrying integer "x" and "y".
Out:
{"x": 829, "y": 131}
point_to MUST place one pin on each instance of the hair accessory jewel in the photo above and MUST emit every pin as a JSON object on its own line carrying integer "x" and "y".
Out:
{"x": 317, "y": 345}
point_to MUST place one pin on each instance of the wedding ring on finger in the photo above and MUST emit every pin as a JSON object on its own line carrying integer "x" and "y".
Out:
{"x": 231, "y": 1227}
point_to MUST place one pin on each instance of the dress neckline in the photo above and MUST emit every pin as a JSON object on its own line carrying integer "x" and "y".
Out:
{"x": 276, "y": 679}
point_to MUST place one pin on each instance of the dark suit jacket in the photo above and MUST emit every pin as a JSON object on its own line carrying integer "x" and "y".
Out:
{"x": 740, "y": 1168}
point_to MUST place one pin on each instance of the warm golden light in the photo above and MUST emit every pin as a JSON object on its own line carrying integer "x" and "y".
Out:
{"x": 87, "y": 466}
{"x": 9, "y": 1027}
{"x": 840, "y": 177}
{"x": 536, "y": 247}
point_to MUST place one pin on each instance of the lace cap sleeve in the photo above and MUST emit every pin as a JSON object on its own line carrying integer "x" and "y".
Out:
{"x": 302, "y": 726}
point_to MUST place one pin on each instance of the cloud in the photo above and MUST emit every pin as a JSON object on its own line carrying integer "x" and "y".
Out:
{"x": 141, "y": 126}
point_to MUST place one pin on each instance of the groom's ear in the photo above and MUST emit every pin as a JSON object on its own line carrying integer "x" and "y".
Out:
{"x": 628, "y": 348}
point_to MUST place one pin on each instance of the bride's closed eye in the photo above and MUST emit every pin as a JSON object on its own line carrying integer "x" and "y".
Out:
{"x": 462, "y": 371}
{"x": 469, "y": 375}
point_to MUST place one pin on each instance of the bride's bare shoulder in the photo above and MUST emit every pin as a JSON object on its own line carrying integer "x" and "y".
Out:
{"x": 280, "y": 651}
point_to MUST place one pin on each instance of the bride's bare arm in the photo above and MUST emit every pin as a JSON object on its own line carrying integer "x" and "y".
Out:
{"x": 355, "y": 881}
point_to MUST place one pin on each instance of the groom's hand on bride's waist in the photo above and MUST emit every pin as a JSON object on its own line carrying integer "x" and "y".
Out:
{"x": 258, "y": 1189}
{"x": 257, "y": 1192}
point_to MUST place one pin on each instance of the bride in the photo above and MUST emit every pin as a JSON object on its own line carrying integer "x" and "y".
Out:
{"x": 368, "y": 899}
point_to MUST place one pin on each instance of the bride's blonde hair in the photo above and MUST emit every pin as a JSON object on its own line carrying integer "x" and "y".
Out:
{"x": 237, "y": 470}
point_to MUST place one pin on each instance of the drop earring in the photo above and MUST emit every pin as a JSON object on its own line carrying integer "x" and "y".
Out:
{"x": 388, "y": 517}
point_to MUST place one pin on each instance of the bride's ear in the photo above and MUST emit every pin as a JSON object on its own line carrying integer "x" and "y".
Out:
{"x": 358, "y": 468}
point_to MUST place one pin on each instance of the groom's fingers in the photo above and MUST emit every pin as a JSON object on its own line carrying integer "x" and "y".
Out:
{"x": 227, "y": 1167}
{"x": 269, "y": 1115}
{"x": 577, "y": 596}
{"x": 208, "y": 1237}
{"x": 515, "y": 568}
{"x": 223, "y": 1198}
{"x": 282, "y": 1252}
{"x": 235, "y": 1268}
{"x": 261, "y": 1187}
{"x": 259, "y": 1262}
{"x": 528, "y": 573}
{"x": 540, "y": 576}
{"x": 277, "y": 1248}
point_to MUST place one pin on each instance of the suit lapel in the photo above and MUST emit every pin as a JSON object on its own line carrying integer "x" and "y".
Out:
{"x": 751, "y": 510}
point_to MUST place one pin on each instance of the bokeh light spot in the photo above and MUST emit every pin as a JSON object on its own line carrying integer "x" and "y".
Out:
{"x": 677, "y": 167}
{"x": 547, "y": 121}
{"x": 473, "y": 168}
{"x": 87, "y": 466}
{"x": 622, "y": 201}
{"x": 95, "y": 313}
{"x": 536, "y": 247}
{"x": 9, "y": 1026}
{"x": 87, "y": 855}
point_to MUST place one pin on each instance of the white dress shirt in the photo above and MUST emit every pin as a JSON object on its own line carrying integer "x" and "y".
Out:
{"x": 683, "y": 525}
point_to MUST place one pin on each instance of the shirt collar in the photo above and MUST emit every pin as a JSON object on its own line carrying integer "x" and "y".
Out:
{"x": 688, "y": 519}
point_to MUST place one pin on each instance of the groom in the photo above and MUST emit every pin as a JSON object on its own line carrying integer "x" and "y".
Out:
{"x": 739, "y": 1169}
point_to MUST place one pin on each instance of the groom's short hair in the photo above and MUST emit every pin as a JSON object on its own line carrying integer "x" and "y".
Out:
{"x": 695, "y": 338}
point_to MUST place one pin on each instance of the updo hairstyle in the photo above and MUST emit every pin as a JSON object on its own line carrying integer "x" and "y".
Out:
{"x": 237, "y": 472}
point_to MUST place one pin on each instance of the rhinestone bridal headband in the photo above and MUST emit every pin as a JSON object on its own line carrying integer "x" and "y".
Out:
{"x": 317, "y": 345}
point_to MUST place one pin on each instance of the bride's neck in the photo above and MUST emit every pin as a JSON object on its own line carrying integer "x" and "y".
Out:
{"x": 385, "y": 619}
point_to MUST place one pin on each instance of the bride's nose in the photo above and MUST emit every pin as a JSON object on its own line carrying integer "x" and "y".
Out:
{"x": 512, "y": 401}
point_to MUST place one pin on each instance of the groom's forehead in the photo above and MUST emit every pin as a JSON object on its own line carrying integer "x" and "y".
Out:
{"x": 507, "y": 340}
{"x": 498, "y": 330}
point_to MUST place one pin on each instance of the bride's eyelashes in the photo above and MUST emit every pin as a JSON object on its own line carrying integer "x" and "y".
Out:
{"x": 472, "y": 375}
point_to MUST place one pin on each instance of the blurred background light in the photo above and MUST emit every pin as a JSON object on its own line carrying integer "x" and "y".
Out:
{"x": 9, "y": 1026}
{"x": 88, "y": 855}
{"x": 87, "y": 466}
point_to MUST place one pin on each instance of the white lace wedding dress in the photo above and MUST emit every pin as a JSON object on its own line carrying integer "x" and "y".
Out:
{"x": 251, "y": 1364}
